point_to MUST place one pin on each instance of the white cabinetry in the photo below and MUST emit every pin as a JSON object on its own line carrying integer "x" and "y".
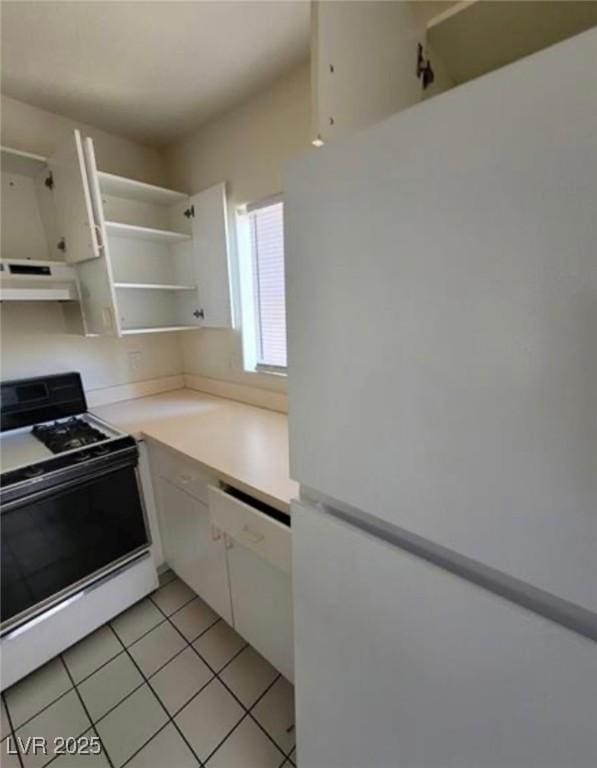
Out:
{"x": 165, "y": 254}
{"x": 366, "y": 63}
{"x": 262, "y": 606}
{"x": 233, "y": 555}
{"x": 363, "y": 65}
{"x": 259, "y": 566}
{"x": 28, "y": 212}
{"x": 193, "y": 548}
{"x": 148, "y": 259}
{"x": 32, "y": 264}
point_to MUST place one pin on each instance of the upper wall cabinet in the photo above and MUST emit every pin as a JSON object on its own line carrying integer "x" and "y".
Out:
{"x": 148, "y": 259}
{"x": 73, "y": 201}
{"x": 363, "y": 64}
{"x": 165, "y": 255}
{"x": 371, "y": 59}
{"x": 28, "y": 214}
{"x": 32, "y": 260}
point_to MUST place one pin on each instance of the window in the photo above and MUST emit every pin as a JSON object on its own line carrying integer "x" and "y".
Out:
{"x": 264, "y": 320}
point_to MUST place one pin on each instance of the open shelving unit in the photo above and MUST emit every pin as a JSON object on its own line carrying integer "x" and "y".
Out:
{"x": 145, "y": 233}
{"x": 155, "y": 287}
{"x": 149, "y": 249}
{"x": 147, "y": 259}
{"x": 22, "y": 163}
{"x": 119, "y": 186}
{"x": 157, "y": 329}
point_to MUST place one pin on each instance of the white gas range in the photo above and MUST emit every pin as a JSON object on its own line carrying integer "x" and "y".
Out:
{"x": 75, "y": 541}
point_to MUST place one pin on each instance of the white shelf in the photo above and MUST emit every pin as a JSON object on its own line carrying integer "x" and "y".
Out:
{"x": 158, "y": 329}
{"x": 30, "y": 291}
{"x": 473, "y": 38}
{"x": 145, "y": 233}
{"x": 23, "y": 163}
{"x": 119, "y": 186}
{"x": 156, "y": 286}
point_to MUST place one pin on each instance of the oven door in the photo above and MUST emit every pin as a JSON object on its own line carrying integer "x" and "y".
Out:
{"x": 57, "y": 540}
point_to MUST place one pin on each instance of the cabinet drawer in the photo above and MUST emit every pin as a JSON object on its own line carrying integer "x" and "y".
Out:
{"x": 251, "y": 528}
{"x": 185, "y": 475}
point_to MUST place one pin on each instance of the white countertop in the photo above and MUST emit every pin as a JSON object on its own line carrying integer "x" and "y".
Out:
{"x": 244, "y": 445}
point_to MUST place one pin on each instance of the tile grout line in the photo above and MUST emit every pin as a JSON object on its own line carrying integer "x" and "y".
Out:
{"x": 43, "y": 709}
{"x": 146, "y": 743}
{"x": 178, "y": 608}
{"x": 84, "y": 679}
{"x": 12, "y": 730}
{"x": 226, "y": 737}
{"x": 216, "y": 675}
{"x": 256, "y": 721}
{"x": 106, "y": 753}
{"x": 74, "y": 686}
{"x": 146, "y": 680}
{"x": 223, "y": 682}
{"x": 169, "y": 718}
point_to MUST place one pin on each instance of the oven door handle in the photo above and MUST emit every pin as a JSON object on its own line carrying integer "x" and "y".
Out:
{"x": 59, "y": 488}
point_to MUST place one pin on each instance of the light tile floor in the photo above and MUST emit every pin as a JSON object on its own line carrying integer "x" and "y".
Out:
{"x": 166, "y": 683}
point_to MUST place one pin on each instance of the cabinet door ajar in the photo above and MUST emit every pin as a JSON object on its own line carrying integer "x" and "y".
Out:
{"x": 193, "y": 548}
{"x": 211, "y": 256}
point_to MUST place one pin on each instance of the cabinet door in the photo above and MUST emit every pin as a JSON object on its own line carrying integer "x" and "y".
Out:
{"x": 211, "y": 256}
{"x": 73, "y": 200}
{"x": 363, "y": 65}
{"x": 262, "y": 606}
{"x": 100, "y": 308}
{"x": 194, "y": 550}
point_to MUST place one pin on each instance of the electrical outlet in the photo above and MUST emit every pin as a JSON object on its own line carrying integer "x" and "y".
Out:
{"x": 135, "y": 360}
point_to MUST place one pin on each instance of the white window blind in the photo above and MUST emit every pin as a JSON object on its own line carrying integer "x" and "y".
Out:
{"x": 267, "y": 244}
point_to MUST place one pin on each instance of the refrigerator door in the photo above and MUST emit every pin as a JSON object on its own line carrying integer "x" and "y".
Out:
{"x": 442, "y": 320}
{"x": 399, "y": 663}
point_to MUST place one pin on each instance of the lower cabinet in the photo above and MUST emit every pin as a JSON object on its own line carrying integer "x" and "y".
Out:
{"x": 194, "y": 549}
{"x": 262, "y": 606}
{"x": 231, "y": 553}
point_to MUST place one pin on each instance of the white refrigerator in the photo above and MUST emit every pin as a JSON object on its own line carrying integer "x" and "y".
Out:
{"x": 442, "y": 331}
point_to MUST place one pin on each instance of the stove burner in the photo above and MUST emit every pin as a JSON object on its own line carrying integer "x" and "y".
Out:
{"x": 68, "y": 435}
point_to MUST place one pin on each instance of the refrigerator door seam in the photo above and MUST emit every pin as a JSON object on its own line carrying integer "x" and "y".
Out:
{"x": 556, "y": 609}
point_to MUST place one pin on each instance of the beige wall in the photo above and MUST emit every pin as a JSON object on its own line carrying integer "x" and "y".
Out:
{"x": 247, "y": 148}
{"x": 35, "y": 130}
{"x": 36, "y": 338}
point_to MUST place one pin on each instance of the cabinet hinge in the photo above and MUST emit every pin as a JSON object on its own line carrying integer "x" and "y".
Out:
{"x": 190, "y": 212}
{"x": 49, "y": 181}
{"x": 424, "y": 69}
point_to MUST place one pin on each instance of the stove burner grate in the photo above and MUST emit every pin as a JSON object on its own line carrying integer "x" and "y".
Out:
{"x": 68, "y": 435}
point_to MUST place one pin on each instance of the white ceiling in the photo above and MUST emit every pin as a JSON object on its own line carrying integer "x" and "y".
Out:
{"x": 152, "y": 71}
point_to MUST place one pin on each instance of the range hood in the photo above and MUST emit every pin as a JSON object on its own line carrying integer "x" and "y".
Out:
{"x": 27, "y": 280}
